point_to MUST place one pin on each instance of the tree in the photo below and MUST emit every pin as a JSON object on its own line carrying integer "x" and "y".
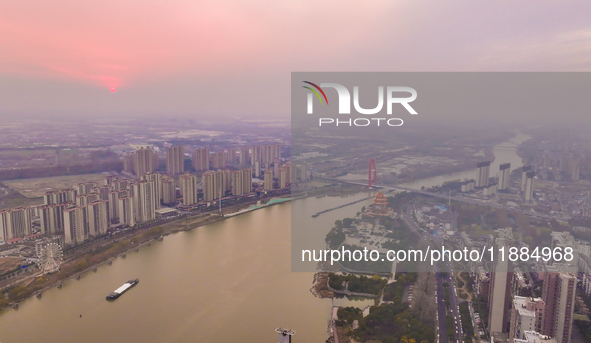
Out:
{"x": 347, "y": 222}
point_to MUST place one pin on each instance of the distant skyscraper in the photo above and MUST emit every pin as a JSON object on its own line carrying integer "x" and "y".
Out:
{"x": 200, "y": 159}
{"x": 283, "y": 179}
{"x": 293, "y": 175}
{"x": 141, "y": 161}
{"x": 529, "y": 187}
{"x": 244, "y": 157}
{"x": 257, "y": 169}
{"x": 482, "y": 173}
{"x": 574, "y": 167}
{"x": 276, "y": 169}
{"x": 175, "y": 160}
{"x": 218, "y": 160}
{"x": 268, "y": 180}
{"x": 304, "y": 172}
{"x": 524, "y": 171}
{"x": 188, "y": 186}
{"x": 504, "y": 176}
{"x": 231, "y": 156}
{"x": 499, "y": 300}
{"x": 265, "y": 154}
{"x": 558, "y": 294}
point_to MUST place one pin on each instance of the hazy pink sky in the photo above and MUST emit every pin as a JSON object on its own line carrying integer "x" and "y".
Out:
{"x": 235, "y": 57}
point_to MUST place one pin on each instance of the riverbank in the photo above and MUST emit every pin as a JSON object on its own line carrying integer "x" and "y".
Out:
{"x": 320, "y": 289}
{"x": 105, "y": 251}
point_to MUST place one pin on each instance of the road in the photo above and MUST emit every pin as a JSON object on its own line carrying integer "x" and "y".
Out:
{"x": 442, "y": 310}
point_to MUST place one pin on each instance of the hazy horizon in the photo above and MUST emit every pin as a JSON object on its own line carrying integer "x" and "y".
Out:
{"x": 234, "y": 59}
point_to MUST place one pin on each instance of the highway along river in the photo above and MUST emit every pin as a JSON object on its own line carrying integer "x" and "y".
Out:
{"x": 225, "y": 282}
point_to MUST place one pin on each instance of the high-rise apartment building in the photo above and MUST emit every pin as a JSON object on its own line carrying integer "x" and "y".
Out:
{"x": 85, "y": 199}
{"x": 98, "y": 217}
{"x": 218, "y": 160}
{"x": 293, "y": 173}
{"x": 265, "y": 154}
{"x": 76, "y": 224}
{"x": 142, "y": 161}
{"x": 534, "y": 337}
{"x": 526, "y": 315}
{"x": 574, "y": 166}
{"x": 528, "y": 193}
{"x": 200, "y": 159}
{"x": 188, "y": 186}
{"x": 86, "y": 187}
{"x": 524, "y": 171}
{"x": 144, "y": 200}
{"x": 155, "y": 177}
{"x": 216, "y": 184}
{"x": 175, "y": 160}
{"x": 558, "y": 294}
{"x": 257, "y": 169}
{"x": 244, "y": 156}
{"x": 482, "y": 173}
{"x": 276, "y": 166}
{"x": 119, "y": 184}
{"x": 241, "y": 181}
{"x": 268, "y": 180}
{"x": 499, "y": 300}
{"x": 51, "y": 218}
{"x": 231, "y": 156}
{"x": 283, "y": 179}
{"x": 103, "y": 192}
{"x": 168, "y": 190}
{"x": 15, "y": 223}
{"x": 47, "y": 220}
{"x": 504, "y": 176}
{"x": 208, "y": 186}
{"x": 126, "y": 211}
{"x": 114, "y": 206}
{"x": 60, "y": 196}
{"x": 304, "y": 173}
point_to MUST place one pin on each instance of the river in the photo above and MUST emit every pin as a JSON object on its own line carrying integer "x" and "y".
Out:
{"x": 504, "y": 153}
{"x": 230, "y": 281}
